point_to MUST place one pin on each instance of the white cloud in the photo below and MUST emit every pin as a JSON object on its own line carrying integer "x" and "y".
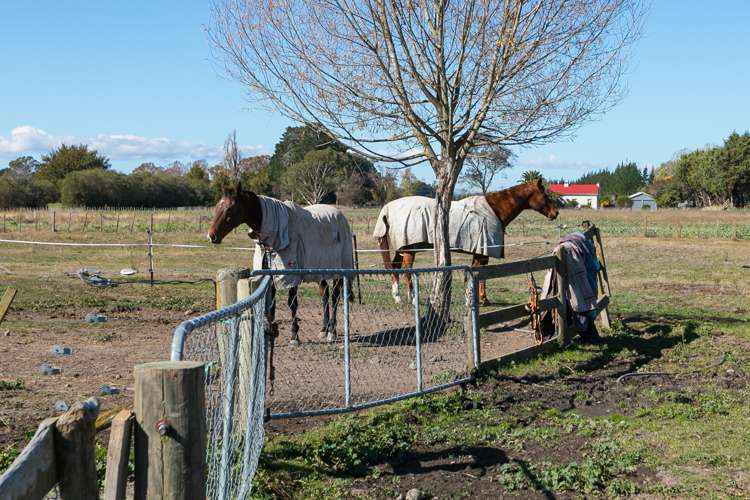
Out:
{"x": 27, "y": 139}
{"x": 30, "y": 140}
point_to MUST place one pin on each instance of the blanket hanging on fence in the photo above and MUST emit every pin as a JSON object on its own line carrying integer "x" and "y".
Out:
{"x": 582, "y": 268}
{"x": 312, "y": 237}
{"x": 473, "y": 225}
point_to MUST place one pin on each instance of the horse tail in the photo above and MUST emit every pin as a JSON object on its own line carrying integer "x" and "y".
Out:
{"x": 385, "y": 244}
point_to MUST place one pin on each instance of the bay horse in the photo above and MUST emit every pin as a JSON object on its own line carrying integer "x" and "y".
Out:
{"x": 308, "y": 244}
{"x": 506, "y": 206}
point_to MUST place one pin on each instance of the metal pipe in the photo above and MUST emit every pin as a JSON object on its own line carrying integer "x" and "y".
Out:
{"x": 417, "y": 332}
{"x": 187, "y": 326}
{"x": 347, "y": 363}
{"x": 475, "y": 320}
{"x": 370, "y": 404}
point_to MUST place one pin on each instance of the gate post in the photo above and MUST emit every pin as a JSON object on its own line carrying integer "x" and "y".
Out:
{"x": 471, "y": 322}
{"x": 170, "y": 430}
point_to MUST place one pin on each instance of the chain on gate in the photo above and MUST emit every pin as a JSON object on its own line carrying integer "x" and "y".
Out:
{"x": 532, "y": 306}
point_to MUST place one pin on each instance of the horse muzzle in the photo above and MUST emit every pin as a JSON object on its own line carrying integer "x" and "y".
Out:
{"x": 213, "y": 238}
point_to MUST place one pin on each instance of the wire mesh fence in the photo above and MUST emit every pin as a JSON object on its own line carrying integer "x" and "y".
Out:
{"x": 338, "y": 355}
{"x": 232, "y": 344}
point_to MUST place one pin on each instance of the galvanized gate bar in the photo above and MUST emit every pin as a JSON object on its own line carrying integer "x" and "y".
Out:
{"x": 347, "y": 360}
{"x": 474, "y": 283}
{"x": 417, "y": 332}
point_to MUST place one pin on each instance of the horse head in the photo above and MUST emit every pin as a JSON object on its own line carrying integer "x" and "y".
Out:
{"x": 234, "y": 208}
{"x": 539, "y": 200}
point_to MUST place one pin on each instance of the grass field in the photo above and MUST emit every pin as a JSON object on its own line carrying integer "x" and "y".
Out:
{"x": 559, "y": 425}
{"x": 671, "y": 223}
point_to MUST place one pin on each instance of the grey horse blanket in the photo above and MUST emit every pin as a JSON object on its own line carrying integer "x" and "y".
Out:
{"x": 473, "y": 225}
{"x": 312, "y": 237}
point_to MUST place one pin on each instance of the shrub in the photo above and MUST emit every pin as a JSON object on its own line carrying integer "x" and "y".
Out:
{"x": 623, "y": 201}
{"x": 98, "y": 188}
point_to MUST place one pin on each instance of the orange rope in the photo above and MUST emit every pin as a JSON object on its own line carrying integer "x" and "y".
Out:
{"x": 533, "y": 307}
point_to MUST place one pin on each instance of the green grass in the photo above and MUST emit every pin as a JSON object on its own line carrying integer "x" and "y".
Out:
{"x": 668, "y": 433}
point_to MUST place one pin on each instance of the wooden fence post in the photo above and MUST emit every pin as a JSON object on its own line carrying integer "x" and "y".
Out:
{"x": 118, "y": 452}
{"x": 170, "y": 430}
{"x": 75, "y": 451}
{"x": 245, "y": 350}
{"x": 563, "y": 335}
{"x": 54, "y": 221}
{"x": 33, "y": 473}
{"x": 226, "y": 294}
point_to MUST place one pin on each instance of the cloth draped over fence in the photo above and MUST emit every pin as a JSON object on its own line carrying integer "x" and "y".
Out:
{"x": 312, "y": 237}
{"x": 473, "y": 225}
{"x": 582, "y": 268}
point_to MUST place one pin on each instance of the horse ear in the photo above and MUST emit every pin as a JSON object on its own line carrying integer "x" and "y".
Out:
{"x": 540, "y": 184}
{"x": 238, "y": 187}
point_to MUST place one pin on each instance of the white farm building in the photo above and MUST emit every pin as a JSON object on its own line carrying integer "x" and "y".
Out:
{"x": 583, "y": 194}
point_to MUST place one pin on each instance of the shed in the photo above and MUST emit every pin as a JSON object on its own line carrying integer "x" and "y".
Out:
{"x": 642, "y": 201}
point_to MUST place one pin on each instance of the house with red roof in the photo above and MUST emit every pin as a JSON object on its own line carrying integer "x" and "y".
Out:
{"x": 583, "y": 194}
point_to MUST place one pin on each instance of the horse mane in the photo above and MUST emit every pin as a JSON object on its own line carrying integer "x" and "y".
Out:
{"x": 252, "y": 208}
{"x": 509, "y": 203}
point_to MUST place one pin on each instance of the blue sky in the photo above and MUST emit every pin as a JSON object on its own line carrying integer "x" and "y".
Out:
{"x": 135, "y": 80}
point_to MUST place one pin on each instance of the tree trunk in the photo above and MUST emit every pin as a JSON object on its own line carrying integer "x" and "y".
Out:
{"x": 446, "y": 173}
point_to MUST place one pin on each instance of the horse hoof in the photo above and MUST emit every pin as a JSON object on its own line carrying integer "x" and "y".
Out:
{"x": 397, "y": 300}
{"x": 294, "y": 343}
{"x": 331, "y": 337}
{"x": 484, "y": 302}
{"x": 323, "y": 334}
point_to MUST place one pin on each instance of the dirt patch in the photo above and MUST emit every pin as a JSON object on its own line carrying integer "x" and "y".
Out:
{"x": 102, "y": 354}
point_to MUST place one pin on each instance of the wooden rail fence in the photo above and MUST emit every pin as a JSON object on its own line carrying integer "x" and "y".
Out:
{"x": 558, "y": 304}
{"x": 169, "y": 432}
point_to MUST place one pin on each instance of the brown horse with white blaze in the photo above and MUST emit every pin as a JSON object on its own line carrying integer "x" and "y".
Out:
{"x": 506, "y": 205}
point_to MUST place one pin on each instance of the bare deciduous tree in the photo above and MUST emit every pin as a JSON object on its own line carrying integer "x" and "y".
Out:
{"x": 311, "y": 179}
{"x": 232, "y": 158}
{"x": 429, "y": 80}
{"x": 483, "y": 164}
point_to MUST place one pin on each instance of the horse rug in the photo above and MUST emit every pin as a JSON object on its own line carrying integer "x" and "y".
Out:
{"x": 312, "y": 237}
{"x": 473, "y": 226}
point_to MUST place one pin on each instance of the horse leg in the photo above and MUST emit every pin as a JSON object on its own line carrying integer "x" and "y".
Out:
{"x": 408, "y": 264}
{"x": 292, "y": 303}
{"x": 481, "y": 260}
{"x": 336, "y": 295}
{"x": 398, "y": 259}
{"x": 323, "y": 290}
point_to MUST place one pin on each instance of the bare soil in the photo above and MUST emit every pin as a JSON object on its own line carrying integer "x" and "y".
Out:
{"x": 102, "y": 354}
